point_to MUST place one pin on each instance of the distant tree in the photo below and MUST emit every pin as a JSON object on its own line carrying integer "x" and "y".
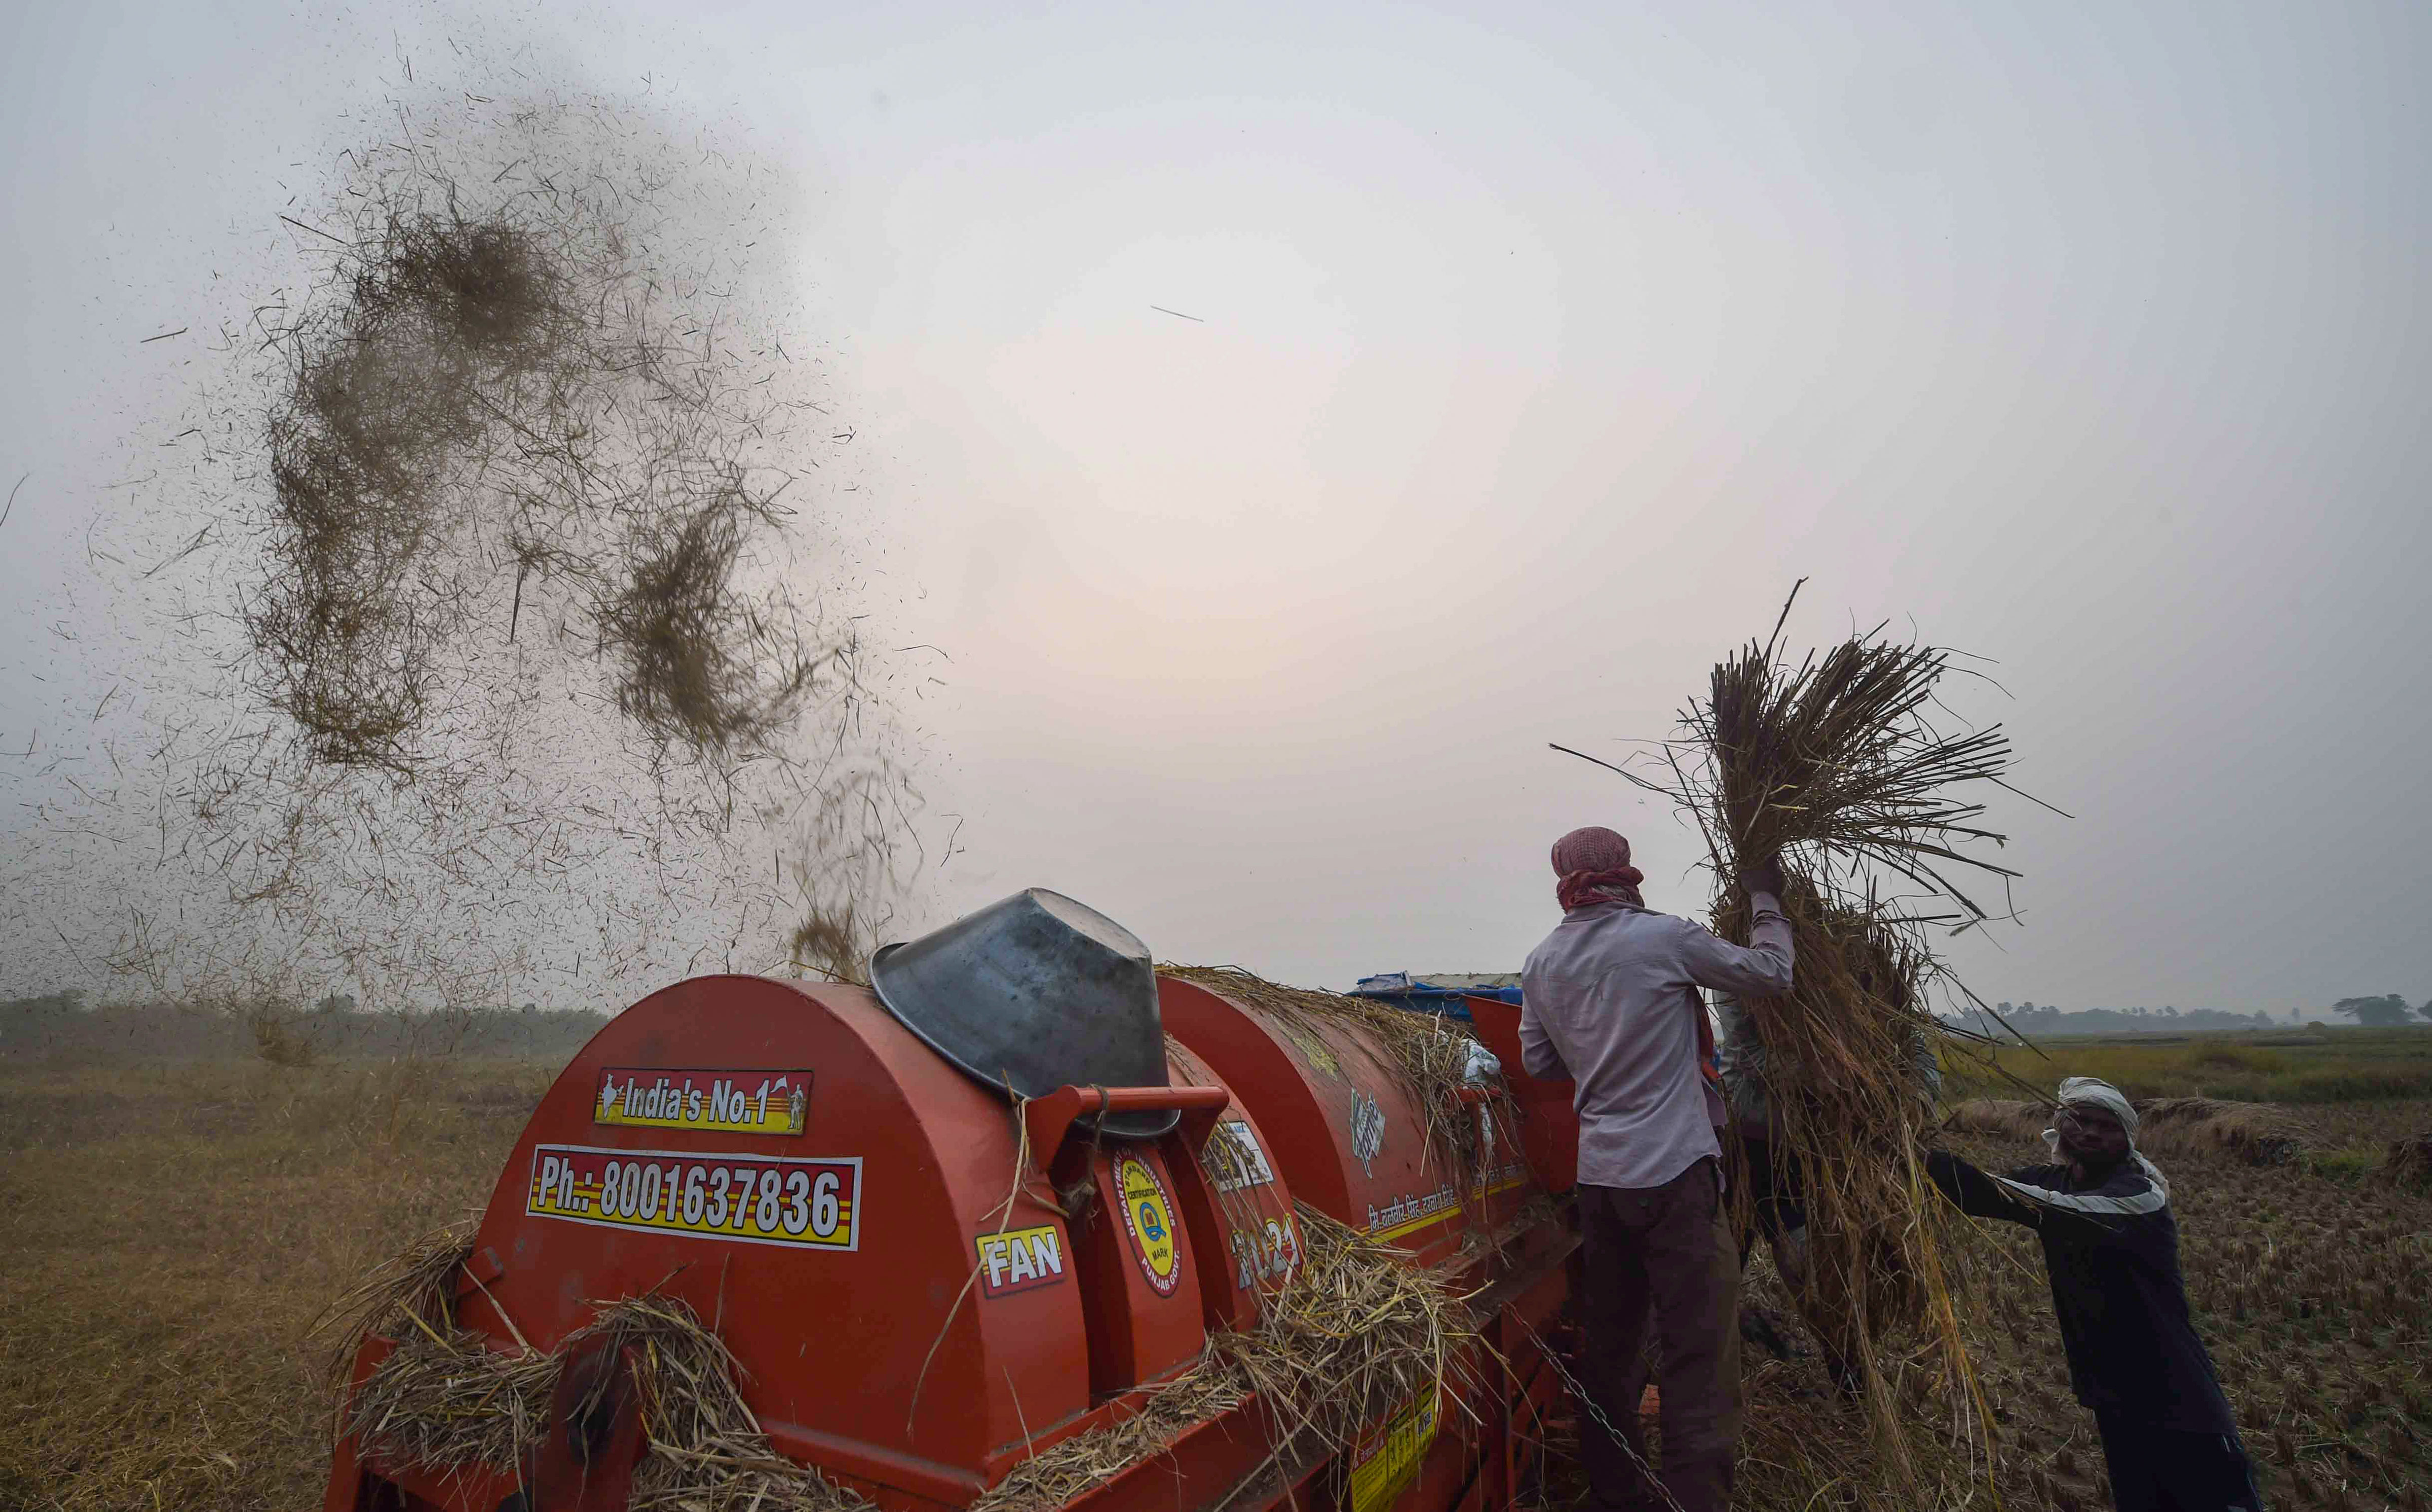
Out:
{"x": 2386, "y": 1012}
{"x": 336, "y": 1002}
{"x": 2427, "y": 1009}
{"x": 2170, "y": 1012}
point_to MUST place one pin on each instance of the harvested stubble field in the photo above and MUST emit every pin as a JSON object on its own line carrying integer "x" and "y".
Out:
{"x": 171, "y": 1233}
{"x": 168, "y": 1233}
{"x": 2308, "y": 1288}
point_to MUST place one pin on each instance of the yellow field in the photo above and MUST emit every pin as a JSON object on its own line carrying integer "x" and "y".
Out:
{"x": 172, "y": 1233}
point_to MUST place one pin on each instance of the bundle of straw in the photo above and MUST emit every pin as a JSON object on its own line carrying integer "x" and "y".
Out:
{"x": 447, "y": 1400}
{"x": 2411, "y": 1160}
{"x": 1836, "y": 764}
{"x": 2256, "y": 1133}
{"x": 1358, "y": 1329}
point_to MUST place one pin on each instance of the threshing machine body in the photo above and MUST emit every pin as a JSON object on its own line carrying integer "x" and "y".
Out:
{"x": 921, "y": 1289}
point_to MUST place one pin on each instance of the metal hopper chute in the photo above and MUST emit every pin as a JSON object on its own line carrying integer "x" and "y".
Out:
{"x": 1033, "y": 993}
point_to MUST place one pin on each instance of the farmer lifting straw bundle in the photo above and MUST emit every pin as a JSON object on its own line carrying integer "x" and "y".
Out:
{"x": 1610, "y": 1000}
{"x": 1832, "y": 765}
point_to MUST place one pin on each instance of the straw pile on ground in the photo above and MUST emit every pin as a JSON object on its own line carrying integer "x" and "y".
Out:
{"x": 1834, "y": 764}
{"x": 1429, "y": 1055}
{"x": 2410, "y": 1161}
{"x": 2256, "y": 1133}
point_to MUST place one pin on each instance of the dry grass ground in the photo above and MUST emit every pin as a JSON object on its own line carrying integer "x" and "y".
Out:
{"x": 167, "y": 1237}
{"x": 2308, "y": 1288}
{"x": 168, "y": 1234}
{"x": 2307, "y": 1281}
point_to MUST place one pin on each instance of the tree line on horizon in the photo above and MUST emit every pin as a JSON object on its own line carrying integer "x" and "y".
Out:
{"x": 2387, "y": 1011}
{"x": 64, "y": 1022}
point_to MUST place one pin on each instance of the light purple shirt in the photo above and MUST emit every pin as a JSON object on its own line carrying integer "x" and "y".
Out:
{"x": 1610, "y": 999}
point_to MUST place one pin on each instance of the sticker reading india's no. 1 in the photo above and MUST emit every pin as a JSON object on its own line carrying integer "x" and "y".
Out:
{"x": 813, "y": 1204}
{"x": 715, "y": 1101}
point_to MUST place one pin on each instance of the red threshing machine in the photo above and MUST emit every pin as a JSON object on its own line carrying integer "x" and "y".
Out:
{"x": 821, "y": 1171}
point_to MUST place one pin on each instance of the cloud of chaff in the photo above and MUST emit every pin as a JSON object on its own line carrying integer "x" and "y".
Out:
{"x": 509, "y": 646}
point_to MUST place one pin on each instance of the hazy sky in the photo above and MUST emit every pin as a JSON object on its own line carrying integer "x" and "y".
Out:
{"x": 1535, "y": 354}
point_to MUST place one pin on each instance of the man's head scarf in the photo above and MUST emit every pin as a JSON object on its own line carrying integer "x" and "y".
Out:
{"x": 1592, "y": 866}
{"x": 2089, "y": 1092}
{"x": 2086, "y": 1091}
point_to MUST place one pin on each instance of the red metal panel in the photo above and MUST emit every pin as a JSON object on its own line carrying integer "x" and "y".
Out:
{"x": 1236, "y": 1204}
{"x": 1140, "y": 1283}
{"x": 1549, "y": 1123}
{"x": 1350, "y": 1142}
{"x": 838, "y": 1337}
{"x": 941, "y": 1318}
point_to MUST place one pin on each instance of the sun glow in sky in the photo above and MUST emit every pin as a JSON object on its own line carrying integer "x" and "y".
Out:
{"x": 1284, "y": 422}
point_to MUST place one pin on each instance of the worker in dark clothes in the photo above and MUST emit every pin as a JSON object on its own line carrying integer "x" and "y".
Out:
{"x": 1611, "y": 1001}
{"x": 2111, "y": 1249}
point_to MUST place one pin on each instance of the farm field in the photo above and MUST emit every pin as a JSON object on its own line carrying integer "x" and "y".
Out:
{"x": 172, "y": 1232}
{"x": 2317, "y": 1064}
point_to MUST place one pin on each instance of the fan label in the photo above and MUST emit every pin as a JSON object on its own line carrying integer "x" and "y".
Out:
{"x": 751, "y": 1199}
{"x": 1148, "y": 1221}
{"x": 1020, "y": 1259}
{"x": 713, "y": 1102}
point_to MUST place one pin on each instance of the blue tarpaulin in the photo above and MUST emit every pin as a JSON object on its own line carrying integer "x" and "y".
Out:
{"x": 1439, "y": 994}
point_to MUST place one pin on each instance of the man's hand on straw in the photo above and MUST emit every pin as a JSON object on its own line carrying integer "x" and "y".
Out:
{"x": 1763, "y": 877}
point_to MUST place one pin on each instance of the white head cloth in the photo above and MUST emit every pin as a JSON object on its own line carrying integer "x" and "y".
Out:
{"x": 2088, "y": 1092}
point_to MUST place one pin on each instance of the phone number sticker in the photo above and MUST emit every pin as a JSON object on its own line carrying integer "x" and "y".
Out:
{"x": 813, "y": 1204}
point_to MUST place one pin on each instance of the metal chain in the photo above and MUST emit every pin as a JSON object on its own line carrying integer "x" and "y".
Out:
{"x": 1581, "y": 1394}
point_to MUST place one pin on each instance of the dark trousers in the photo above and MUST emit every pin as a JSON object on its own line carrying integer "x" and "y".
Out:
{"x": 2156, "y": 1470}
{"x": 1664, "y": 1254}
{"x": 1779, "y": 1189}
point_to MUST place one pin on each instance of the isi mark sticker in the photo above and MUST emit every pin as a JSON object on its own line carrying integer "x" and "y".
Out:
{"x": 1148, "y": 1220}
{"x": 813, "y": 1204}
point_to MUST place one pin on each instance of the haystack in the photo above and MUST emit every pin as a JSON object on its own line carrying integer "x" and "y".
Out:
{"x": 2256, "y": 1133}
{"x": 2410, "y": 1161}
